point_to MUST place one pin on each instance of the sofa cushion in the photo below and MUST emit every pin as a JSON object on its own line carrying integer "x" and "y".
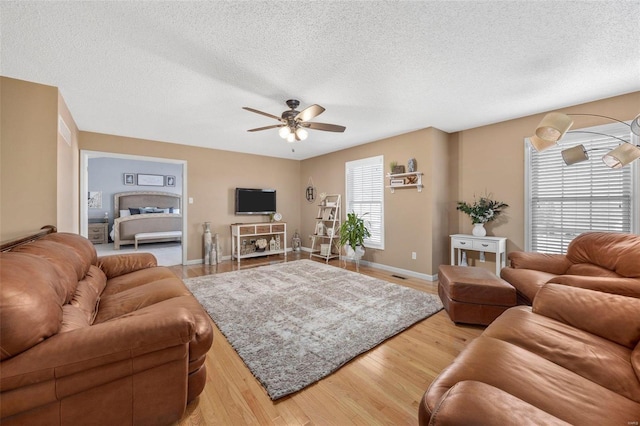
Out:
{"x": 591, "y": 270}
{"x": 526, "y": 281}
{"x": 535, "y": 380}
{"x": 85, "y": 249}
{"x": 461, "y": 406}
{"x": 30, "y": 304}
{"x": 66, "y": 261}
{"x": 614, "y": 251}
{"x": 73, "y": 318}
{"x": 614, "y": 317}
{"x": 88, "y": 293}
{"x": 576, "y": 350}
{"x": 548, "y": 262}
{"x": 133, "y": 299}
{"x": 116, "y": 265}
{"x": 137, "y": 278}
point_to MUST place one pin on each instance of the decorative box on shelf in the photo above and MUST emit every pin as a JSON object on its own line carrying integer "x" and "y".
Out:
{"x": 405, "y": 180}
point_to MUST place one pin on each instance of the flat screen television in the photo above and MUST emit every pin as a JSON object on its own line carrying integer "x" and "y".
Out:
{"x": 255, "y": 201}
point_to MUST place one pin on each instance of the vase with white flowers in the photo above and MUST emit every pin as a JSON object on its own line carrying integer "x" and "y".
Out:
{"x": 481, "y": 211}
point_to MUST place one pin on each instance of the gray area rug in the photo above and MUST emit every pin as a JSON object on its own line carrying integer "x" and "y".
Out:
{"x": 294, "y": 323}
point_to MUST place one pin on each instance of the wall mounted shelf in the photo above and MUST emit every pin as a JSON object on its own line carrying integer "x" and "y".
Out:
{"x": 414, "y": 177}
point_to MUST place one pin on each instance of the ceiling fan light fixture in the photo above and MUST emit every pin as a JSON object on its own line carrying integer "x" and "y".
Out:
{"x": 622, "y": 155}
{"x": 553, "y": 126}
{"x": 284, "y": 132}
{"x": 302, "y": 133}
{"x": 291, "y": 137}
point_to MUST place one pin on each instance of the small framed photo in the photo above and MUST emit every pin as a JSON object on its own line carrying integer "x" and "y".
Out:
{"x": 171, "y": 181}
{"x": 129, "y": 179}
{"x": 95, "y": 199}
{"x": 150, "y": 180}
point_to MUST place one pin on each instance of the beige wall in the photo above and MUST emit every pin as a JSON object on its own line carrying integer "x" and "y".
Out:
{"x": 68, "y": 166}
{"x": 212, "y": 176}
{"x": 410, "y": 216}
{"x": 457, "y": 167}
{"x": 28, "y": 156}
{"x": 491, "y": 159}
{"x": 39, "y": 177}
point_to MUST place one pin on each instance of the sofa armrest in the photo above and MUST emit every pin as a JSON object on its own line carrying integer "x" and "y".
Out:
{"x": 629, "y": 287}
{"x": 120, "y": 264}
{"x": 609, "y": 316}
{"x": 143, "y": 332}
{"x": 471, "y": 402}
{"x": 552, "y": 263}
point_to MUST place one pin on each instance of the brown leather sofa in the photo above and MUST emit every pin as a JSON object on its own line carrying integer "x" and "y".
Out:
{"x": 114, "y": 340}
{"x": 604, "y": 261}
{"x": 572, "y": 358}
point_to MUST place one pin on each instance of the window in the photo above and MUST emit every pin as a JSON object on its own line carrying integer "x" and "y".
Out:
{"x": 565, "y": 201}
{"x": 365, "y": 195}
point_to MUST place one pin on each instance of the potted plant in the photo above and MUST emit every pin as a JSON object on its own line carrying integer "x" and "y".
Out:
{"x": 353, "y": 232}
{"x": 481, "y": 211}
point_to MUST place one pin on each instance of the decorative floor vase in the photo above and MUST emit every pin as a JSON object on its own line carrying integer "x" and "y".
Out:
{"x": 478, "y": 230}
{"x": 208, "y": 242}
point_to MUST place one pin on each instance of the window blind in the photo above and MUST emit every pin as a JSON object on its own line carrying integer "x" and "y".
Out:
{"x": 566, "y": 201}
{"x": 365, "y": 195}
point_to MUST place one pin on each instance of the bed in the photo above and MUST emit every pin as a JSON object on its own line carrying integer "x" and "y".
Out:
{"x": 156, "y": 215}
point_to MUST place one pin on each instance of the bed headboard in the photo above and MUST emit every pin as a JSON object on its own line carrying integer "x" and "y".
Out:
{"x": 125, "y": 200}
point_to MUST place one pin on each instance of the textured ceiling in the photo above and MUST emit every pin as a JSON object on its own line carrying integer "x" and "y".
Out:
{"x": 182, "y": 71}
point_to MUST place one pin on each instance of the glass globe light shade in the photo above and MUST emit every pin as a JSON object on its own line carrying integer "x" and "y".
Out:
{"x": 291, "y": 137}
{"x": 302, "y": 133}
{"x": 284, "y": 132}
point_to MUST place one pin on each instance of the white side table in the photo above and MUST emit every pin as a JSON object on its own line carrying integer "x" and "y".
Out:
{"x": 497, "y": 245}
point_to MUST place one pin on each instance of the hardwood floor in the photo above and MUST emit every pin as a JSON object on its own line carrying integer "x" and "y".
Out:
{"x": 382, "y": 386}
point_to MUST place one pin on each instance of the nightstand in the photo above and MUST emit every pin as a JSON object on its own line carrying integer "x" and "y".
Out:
{"x": 99, "y": 232}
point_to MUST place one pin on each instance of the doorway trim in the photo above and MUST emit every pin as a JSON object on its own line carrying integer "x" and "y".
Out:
{"x": 85, "y": 155}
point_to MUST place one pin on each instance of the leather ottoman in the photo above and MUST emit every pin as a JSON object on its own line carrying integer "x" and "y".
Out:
{"x": 473, "y": 295}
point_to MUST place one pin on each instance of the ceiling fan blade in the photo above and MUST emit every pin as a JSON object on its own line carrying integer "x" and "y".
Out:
{"x": 324, "y": 126}
{"x": 262, "y": 113}
{"x": 309, "y": 112}
{"x": 266, "y": 128}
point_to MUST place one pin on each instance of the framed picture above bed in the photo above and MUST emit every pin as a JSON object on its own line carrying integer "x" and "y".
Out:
{"x": 150, "y": 180}
{"x": 129, "y": 178}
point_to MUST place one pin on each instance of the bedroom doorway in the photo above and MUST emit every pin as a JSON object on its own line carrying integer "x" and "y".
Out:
{"x": 117, "y": 173}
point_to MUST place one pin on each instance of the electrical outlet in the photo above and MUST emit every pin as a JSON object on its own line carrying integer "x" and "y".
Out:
{"x": 482, "y": 257}
{"x": 413, "y": 255}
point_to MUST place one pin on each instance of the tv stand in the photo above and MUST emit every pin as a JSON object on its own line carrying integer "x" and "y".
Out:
{"x": 243, "y": 233}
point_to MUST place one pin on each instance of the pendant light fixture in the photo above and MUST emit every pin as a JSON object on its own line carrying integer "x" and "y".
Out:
{"x": 555, "y": 125}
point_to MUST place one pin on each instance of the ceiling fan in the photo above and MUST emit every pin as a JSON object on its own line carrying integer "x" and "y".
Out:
{"x": 294, "y": 124}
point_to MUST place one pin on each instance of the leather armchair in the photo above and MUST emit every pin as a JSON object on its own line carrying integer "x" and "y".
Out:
{"x": 604, "y": 261}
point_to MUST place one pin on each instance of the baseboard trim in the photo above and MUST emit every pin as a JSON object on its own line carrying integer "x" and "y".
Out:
{"x": 395, "y": 270}
{"x": 400, "y": 271}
